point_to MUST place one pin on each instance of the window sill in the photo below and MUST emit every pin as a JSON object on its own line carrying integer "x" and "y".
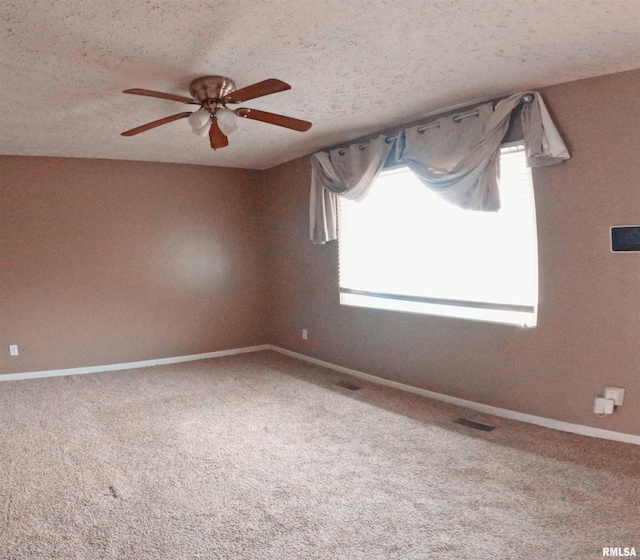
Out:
{"x": 520, "y": 318}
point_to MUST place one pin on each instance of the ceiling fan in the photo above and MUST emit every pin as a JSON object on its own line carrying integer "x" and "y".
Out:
{"x": 213, "y": 118}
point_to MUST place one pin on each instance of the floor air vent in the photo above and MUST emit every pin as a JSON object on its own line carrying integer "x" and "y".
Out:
{"x": 348, "y": 385}
{"x": 475, "y": 425}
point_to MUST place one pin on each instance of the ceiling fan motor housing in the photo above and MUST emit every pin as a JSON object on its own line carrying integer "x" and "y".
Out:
{"x": 210, "y": 89}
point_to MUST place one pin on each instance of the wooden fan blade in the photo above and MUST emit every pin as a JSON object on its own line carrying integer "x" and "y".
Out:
{"x": 265, "y": 87}
{"x": 272, "y": 118}
{"x": 153, "y": 124}
{"x": 161, "y": 95}
{"x": 216, "y": 136}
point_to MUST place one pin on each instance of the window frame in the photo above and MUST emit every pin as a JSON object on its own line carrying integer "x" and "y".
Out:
{"x": 502, "y": 313}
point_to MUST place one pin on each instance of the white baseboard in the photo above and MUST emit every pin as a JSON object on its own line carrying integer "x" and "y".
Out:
{"x": 131, "y": 365}
{"x": 484, "y": 408}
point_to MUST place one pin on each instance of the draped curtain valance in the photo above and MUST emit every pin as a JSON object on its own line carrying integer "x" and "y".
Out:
{"x": 456, "y": 156}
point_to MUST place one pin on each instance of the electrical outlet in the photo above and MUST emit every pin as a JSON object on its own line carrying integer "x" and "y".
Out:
{"x": 13, "y": 349}
{"x": 603, "y": 406}
{"x": 616, "y": 394}
{"x": 304, "y": 334}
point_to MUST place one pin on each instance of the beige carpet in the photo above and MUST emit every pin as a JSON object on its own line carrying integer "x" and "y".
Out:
{"x": 263, "y": 457}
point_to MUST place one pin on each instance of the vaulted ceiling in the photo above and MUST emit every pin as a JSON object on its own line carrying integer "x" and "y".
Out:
{"x": 355, "y": 67}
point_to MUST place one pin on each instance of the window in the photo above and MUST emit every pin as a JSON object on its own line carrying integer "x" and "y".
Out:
{"x": 404, "y": 248}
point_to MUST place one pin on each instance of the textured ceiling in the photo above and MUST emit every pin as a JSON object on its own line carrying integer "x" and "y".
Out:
{"x": 355, "y": 66}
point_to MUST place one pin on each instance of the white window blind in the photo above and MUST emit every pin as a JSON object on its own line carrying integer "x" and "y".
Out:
{"x": 404, "y": 248}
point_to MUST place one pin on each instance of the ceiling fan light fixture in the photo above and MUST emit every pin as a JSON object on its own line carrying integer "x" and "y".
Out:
{"x": 199, "y": 118}
{"x": 203, "y": 130}
{"x": 226, "y": 121}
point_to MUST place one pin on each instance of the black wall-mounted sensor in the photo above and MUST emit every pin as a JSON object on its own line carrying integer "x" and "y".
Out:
{"x": 625, "y": 239}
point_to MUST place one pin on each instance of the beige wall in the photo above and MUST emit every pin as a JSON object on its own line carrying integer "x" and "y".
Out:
{"x": 589, "y": 318}
{"x": 109, "y": 261}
